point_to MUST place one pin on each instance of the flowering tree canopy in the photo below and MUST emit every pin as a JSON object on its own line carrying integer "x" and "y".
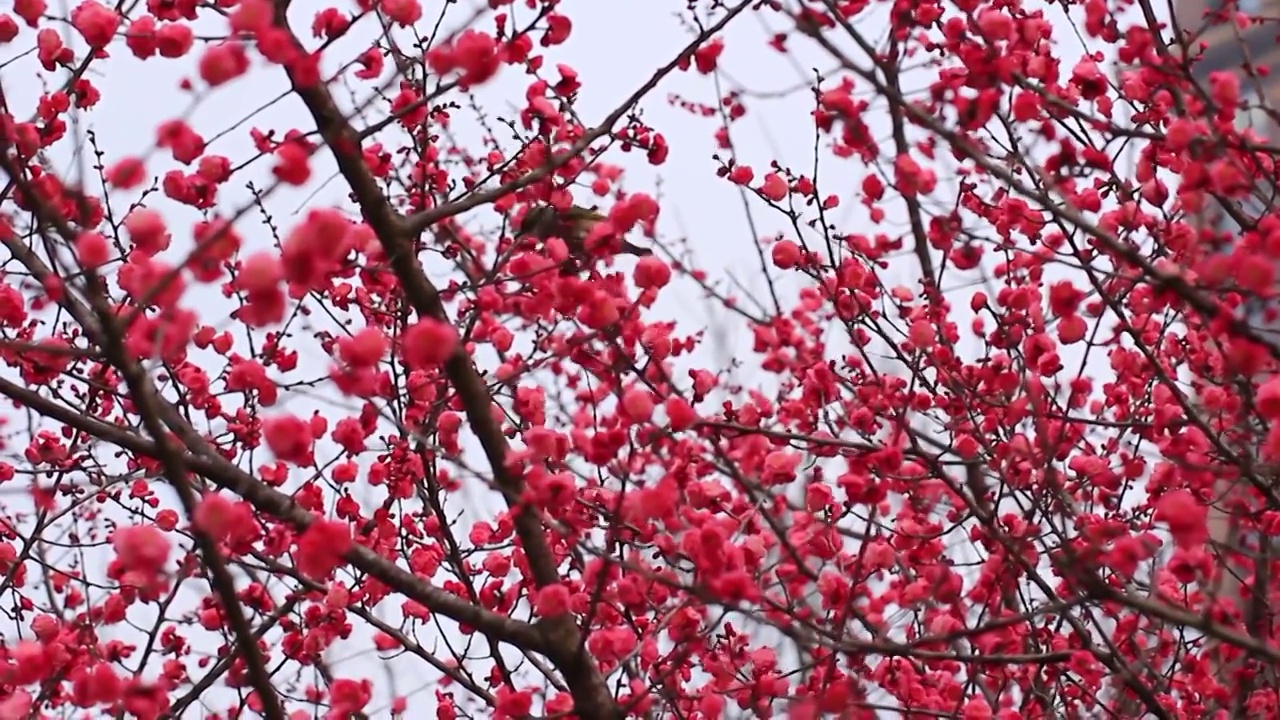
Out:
{"x": 988, "y": 431}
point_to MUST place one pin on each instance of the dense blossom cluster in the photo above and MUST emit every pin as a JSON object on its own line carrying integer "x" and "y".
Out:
{"x": 508, "y": 477}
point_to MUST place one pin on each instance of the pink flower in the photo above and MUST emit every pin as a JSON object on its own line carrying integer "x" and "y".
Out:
{"x": 141, "y": 548}
{"x": 404, "y": 12}
{"x": 1268, "y": 399}
{"x": 551, "y": 601}
{"x": 260, "y": 272}
{"x": 127, "y": 174}
{"x": 706, "y": 57}
{"x": 786, "y": 254}
{"x": 92, "y": 250}
{"x": 364, "y": 349}
{"x": 680, "y": 414}
{"x": 96, "y": 23}
{"x": 477, "y": 55}
{"x": 147, "y": 230}
{"x": 320, "y": 548}
{"x": 637, "y": 404}
{"x": 428, "y": 343}
{"x": 651, "y": 272}
{"x": 348, "y": 697}
{"x": 174, "y": 40}
{"x": 774, "y": 187}
{"x": 1187, "y": 518}
{"x": 222, "y": 63}
{"x": 289, "y": 438}
{"x": 212, "y": 513}
{"x": 292, "y": 164}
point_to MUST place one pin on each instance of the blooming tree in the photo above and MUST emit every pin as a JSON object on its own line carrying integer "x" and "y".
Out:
{"x": 998, "y": 442}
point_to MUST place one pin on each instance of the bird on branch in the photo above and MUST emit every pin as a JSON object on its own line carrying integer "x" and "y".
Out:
{"x": 573, "y": 225}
